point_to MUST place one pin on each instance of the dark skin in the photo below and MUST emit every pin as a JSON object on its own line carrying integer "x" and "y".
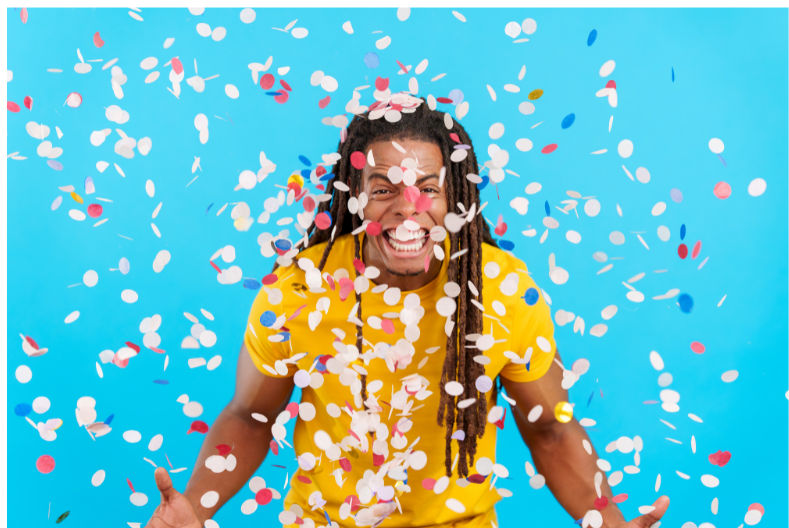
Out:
{"x": 556, "y": 448}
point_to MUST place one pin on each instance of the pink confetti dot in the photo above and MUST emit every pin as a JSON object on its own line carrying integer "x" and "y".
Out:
{"x": 547, "y": 149}
{"x": 45, "y": 464}
{"x": 622, "y": 497}
{"x": 97, "y": 40}
{"x": 267, "y": 81}
{"x": 178, "y": 68}
{"x": 412, "y": 193}
{"x": 358, "y": 160}
{"x": 94, "y": 210}
{"x": 323, "y": 103}
{"x": 423, "y": 203}
{"x": 269, "y": 279}
{"x": 274, "y": 447}
{"x": 428, "y": 484}
{"x": 305, "y": 480}
{"x": 697, "y": 347}
{"x": 282, "y": 98}
{"x": 387, "y": 326}
{"x": 722, "y": 190}
{"x": 12, "y": 106}
{"x": 373, "y": 229}
{"x": 323, "y": 220}
{"x": 263, "y": 496}
{"x": 293, "y": 409}
{"x": 756, "y": 506}
{"x": 309, "y": 204}
{"x": 696, "y": 250}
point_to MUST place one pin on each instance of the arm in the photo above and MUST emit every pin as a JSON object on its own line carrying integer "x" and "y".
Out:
{"x": 249, "y": 438}
{"x": 558, "y": 451}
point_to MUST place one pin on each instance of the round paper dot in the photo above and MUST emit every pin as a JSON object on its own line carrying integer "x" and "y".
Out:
{"x": 523, "y": 144}
{"x": 722, "y": 190}
{"x": 697, "y": 347}
{"x": 248, "y": 15}
{"x": 23, "y": 374}
{"x": 73, "y": 316}
{"x": 710, "y": 481}
{"x": 496, "y": 130}
{"x": 97, "y": 478}
{"x": 138, "y": 499}
{"x": 757, "y": 187}
{"x": 132, "y": 436}
{"x": 231, "y": 91}
{"x": 617, "y": 238}
{"x": 91, "y": 278}
{"x": 455, "y": 505}
{"x": 209, "y": 499}
{"x": 592, "y": 207}
{"x": 45, "y": 464}
{"x": 676, "y": 195}
{"x": 41, "y": 404}
{"x": 716, "y": 145}
{"x": 625, "y": 148}
{"x": 453, "y": 388}
{"x": 729, "y": 376}
{"x": 129, "y": 296}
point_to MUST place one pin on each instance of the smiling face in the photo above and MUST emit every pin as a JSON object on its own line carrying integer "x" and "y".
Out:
{"x": 400, "y": 253}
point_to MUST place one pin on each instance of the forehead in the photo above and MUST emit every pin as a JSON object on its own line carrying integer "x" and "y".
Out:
{"x": 386, "y": 155}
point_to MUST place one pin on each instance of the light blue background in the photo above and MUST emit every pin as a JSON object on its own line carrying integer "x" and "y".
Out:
{"x": 731, "y": 83}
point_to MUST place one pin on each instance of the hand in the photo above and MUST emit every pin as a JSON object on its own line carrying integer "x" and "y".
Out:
{"x": 647, "y": 520}
{"x": 175, "y": 511}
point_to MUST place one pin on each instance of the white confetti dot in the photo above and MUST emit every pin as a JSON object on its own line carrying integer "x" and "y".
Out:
{"x": 617, "y": 238}
{"x": 208, "y": 338}
{"x": 203, "y": 29}
{"x": 73, "y": 316}
{"x": 23, "y": 374}
{"x": 150, "y": 190}
{"x": 193, "y": 409}
{"x": 663, "y": 233}
{"x": 526, "y": 108}
{"x": 625, "y": 148}
{"x": 77, "y": 215}
{"x": 41, "y": 404}
{"x": 607, "y": 69}
{"x": 300, "y": 33}
{"x": 512, "y": 29}
{"x": 209, "y": 499}
{"x": 659, "y": 209}
{"x": 97, "y": 478}
{"x": 716, "y": 145}
{"x": 730, "y": 376}
{"x": 710, "y": 481}
{"x": 248, "y": 15}
{"x": 132, "y": 436}
{"x": 455, "y": 505}
{"x": 129, "y": 296}
{"x": 218, "y": 34}
{"x": 138, "y": 499}
{"x": 656, "y": 360}
{"x": 529, "y": 26}
{"x": 155, "y": 443}
{"x": 592, "y": 207}
{"x": 231, "y": 91}
{"x": 496, "y": 130}
{"x": 757, "y": 187}
{"x": 453, "y": 388}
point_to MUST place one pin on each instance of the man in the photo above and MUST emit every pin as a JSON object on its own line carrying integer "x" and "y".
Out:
{"x": 395, "y": 320}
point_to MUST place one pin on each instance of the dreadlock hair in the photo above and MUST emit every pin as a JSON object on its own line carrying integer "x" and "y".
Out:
{"x": 426, "y": 125}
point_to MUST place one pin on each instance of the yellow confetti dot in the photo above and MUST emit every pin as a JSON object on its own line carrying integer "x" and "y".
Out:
{"x": 296, "y": 177}
{"x": 535, "y": 94}
{"x": 563, "y": 412}
{"x": 77, "y": 198}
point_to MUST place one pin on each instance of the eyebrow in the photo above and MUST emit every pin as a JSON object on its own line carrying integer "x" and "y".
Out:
{"x": 420, "y": 180}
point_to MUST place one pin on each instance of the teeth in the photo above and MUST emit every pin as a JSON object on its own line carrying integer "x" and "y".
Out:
{"x": 414, "y": 246}
{"x": 406, "y": 235}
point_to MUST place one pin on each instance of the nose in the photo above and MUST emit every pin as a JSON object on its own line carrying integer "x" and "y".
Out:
{"x": 402, "y": 207}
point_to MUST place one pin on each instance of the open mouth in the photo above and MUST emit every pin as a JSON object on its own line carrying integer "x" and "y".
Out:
{"x": 408, "y": 241}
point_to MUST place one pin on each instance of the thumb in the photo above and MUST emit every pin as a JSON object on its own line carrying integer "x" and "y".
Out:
{"x": 165, "y": 485}
{"x": 647, "y": 520}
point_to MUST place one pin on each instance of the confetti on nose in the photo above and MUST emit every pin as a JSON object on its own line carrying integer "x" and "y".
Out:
{"x": 412, "y": 193}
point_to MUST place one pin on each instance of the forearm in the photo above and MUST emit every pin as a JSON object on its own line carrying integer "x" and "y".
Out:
{"x": 249, "y": 440}
{"x": 559, "y": 455}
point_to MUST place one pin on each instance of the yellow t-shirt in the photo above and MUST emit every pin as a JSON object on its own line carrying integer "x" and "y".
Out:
{"x": 516, "y": 314}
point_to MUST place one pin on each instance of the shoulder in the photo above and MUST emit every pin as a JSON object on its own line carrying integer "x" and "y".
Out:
{"x": 505, "y": 275}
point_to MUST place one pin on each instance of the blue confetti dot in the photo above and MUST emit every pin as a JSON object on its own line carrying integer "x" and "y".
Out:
{"x": 285, "y": 335}
{"x": 685, "y": 303}
{"x": 251, "y": 284}
{"x": 22, "y": 409}
{"x": 682, "y": 232}
{"x": 592, "y": 37}
{"x": 108, "y": 421}
{"x": 268, "y": 318}
{"x": 528, "y": 366}
{"x": 305, "y": 173}
{"x": 161, "y": 382}
{"x": 507, "y": 245}
{"x": 568, "y": 121}
{"x": 484, "y": 183}
{"x": 283, "y": 244}
{"x": 305, "y": 161}
{"x": 273, "y": 93}
{"x": 456, "y": 96}
{"x": 371, "y": 60}
{"x": 327, "y": 176}
{"x": 547, "y": 208}
{"x": 531, "y": 296}
{"x": 320, "y": 367}
{"x": 209, "y": 208}
{"x": 672, "y": 74}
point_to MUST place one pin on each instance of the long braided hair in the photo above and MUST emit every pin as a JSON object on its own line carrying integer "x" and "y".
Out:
{"x": 426, "y": 125}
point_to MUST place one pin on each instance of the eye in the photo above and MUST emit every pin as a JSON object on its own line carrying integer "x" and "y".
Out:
{"x": 430, "y": 190}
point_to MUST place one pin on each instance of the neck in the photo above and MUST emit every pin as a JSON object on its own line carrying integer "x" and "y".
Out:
{"x": 405, "y": 283}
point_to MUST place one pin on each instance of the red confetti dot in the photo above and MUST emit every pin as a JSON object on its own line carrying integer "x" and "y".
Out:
{"x": 444, "y": 100}
{"x": 722, "y": 190}
{"x": 320, "y": 171}
{"x": 32, "y": 343}
{"x": 381, "y": 83}
{"x": 622, "y": 497}
{"x": 309, "y": 204}
{"x": 178, "y": 68}
{"x": 305, "y": 480}
{"x": 94, "y": 210}
{"x": 345, "y": 464}
{"x": 412, "y": 193}
{"x": 267, "y": 81}
{"x": 263, "y": 496}
{"x": 547, "y": 149}
{"x": 45, "y": 464}
{"x": 274, "y": 447}
{"x": 696, "y": 250}
{"x": 354, "y": 501}
{"x": 323, "y": 103}
{"x": 387, "y": 326}
{"x": 428, "y": 484}
{"x": 405, "y": 70}
{"x": 134, "y": 347}
{"x": 756, "y": 506}
{"x": 359, "y": 265}
{"x": 697, "y": 347}
{"x": 600, "y": 503}
{"x": 373, "y": 229}
{"x": 454, "y": 137}
{"x": 358, "y": 160}
{"x": 285, "y": 85}
{"x": 198, "y": 426}
{"x": 423, "y": 203}
{"x": 28, "y": 102}
{"x": 215, "y": 266}
{"x": 378, "y": 460}
{"x": 223, "y": 449}
{"x": 269, "y": 279}
{"x": 293, "y": 409}
{"x": 611, "y": 84}
{"x": 12, "y": 107}
{"x": 682, "y": 251}
{"x": 282, "y": 98}
{"x": 97, "y": 40}
{"x": 323, "y": 220}
{"x": 476, "y": 478}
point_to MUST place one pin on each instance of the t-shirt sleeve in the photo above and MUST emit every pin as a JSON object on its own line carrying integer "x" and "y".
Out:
{"x": 531, "y": 327}
{"x": 261, "y": 349}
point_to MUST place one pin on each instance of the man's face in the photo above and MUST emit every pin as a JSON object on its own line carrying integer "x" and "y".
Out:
{"x": 389, "y": 205}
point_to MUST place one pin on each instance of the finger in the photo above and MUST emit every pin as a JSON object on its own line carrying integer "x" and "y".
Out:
{"x": 647, "y": 520}
{"x": 164, "y": 484}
